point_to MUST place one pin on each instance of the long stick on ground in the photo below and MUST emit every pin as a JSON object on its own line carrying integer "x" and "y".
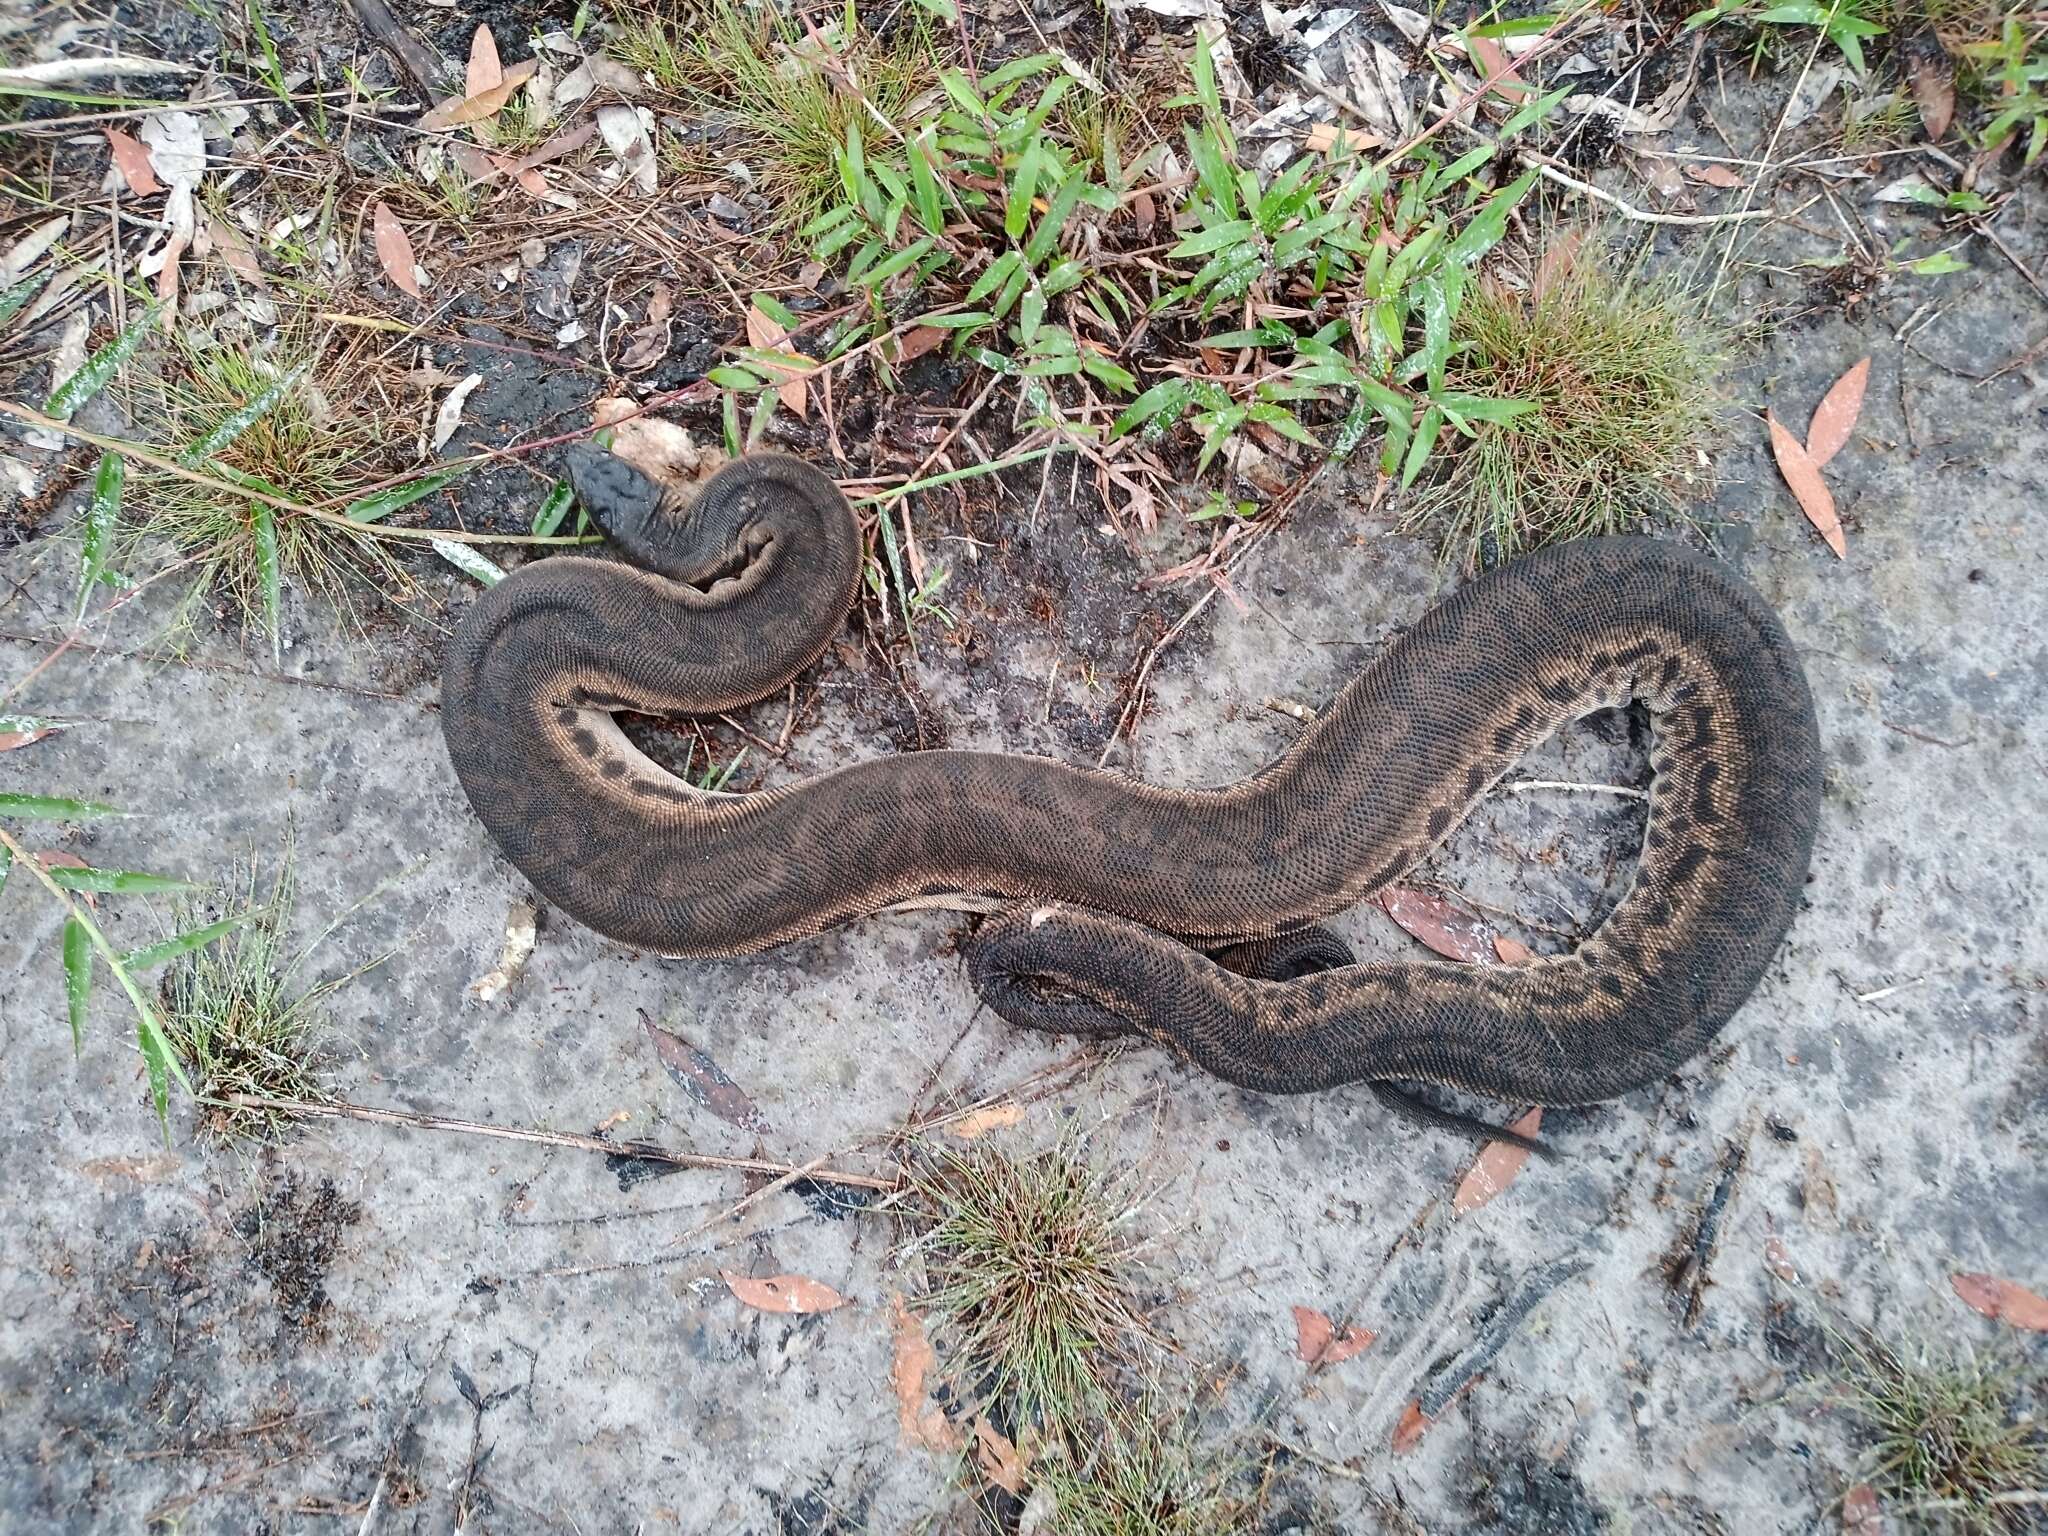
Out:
{"x": 311, "y": 1109}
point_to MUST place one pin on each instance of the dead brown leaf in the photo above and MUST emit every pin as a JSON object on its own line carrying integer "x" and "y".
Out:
{"x": 473, "y": 162}
{"x": 1512, "y": 951}
{"x": 763, "y": 332}
{"x": 236, "y": 251}
{"x": 782, "y": 1293}
{"x": 1327, "y": 138}
{"x": 701, "y": 1078}
{"x": 485, "y": 72}
{"x": 1862, "y": 1515}
{"x": 560, "y": 145}
{"x": 10, "y": 740}
{"x": 1492, "y": 60}
{"x": 1454, "y": 934}
{"x": 1558, "y": 259}
{"x": 1413, "y": 1426}
{"x": 1835, "y": 417}
{"x": 54, "y": 858}
{"x": 1317, "y": 1341}
{"x": 998, "y": 1458}
{"x": 919, "y": 340}
{"x": 996, "y": 1117}
{"x": 485, "y": 104}
{"x": 1803, "y": 476}
{"x": 1494, "y": 1169}
{"x": 1715, "y": 176}
{"x": 394, "y": 250}
{"x": 2002, "y": 1301}
{"x": 1933, "y": 81}
{"x": 923, "y": 1423}
{"x": 142, "y": 1170}
{"x": 131, "y": 159}
{"x": 1778, "y": 1261}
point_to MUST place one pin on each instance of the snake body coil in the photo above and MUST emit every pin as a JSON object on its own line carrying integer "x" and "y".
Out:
{"x": 1120, "y": 886}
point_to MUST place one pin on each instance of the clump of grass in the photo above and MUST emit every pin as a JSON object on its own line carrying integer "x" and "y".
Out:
{"x": 1142, "y": 1475}
{"x": 319, "y": 436}
{"x": 1032, "y": 1264}
{"x": 788, "y": 94}
{"x": 1879, "y": 122}
{"x": 1944, "y": 1439}
{"x": 239, "y": 1023}
{"x": 1615, "y": 373}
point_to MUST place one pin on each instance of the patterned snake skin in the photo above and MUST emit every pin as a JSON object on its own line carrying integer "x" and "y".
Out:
{"x": 1121, "y": 886}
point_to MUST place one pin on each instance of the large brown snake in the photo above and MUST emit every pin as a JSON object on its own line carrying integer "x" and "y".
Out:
{"x": 1121, "y": 886}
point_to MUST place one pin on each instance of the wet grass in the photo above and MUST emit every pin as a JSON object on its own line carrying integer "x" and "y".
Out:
{"x": 1617, "y": 372}
{"x": 322, "y": 435}
{"x": 1945, "y": 1442}
{"x": 240, "y": 1022}
{"x": 1032, "y": 1264}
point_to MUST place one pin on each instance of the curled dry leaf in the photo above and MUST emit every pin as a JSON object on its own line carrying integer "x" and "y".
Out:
{"x": 782, "y": 1293}
{"x": 522, "y": 928}
{"x": 998, "y": 1458}
{"x": 1803, "y": 476}
{"x": 1494, "y": 1169}
{"x": 1317, "y": 1341}
{"x": 1835, "y": 417}
{"x": 1452, "y": 933}
{"x": 996, "y": 1117}
{"x": 394, "y": 250}
{"x": 131, "y": 159}
{"x": 485, "y": 104}
{"x": 1714, "y": 176}
{"x": 448, "y": 419}
{"x": 922, "y": 1422}
{"x": 1934, "y": 91}
{"x": 2002, "y": 1301}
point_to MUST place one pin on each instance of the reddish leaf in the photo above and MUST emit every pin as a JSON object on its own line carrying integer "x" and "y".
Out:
{"x": 702, "y": 1078}
{"x": 1452, "y": 933}
{"x": 52, "y": 858}
{"x": 235, "y": 250}
{"x": 1835, "y": 417}
{"x": 1778, "y": 1261}
{"x": 1558, "y": 259}
{"x": 131, "y": 159}
{"x": 167, "y": 278}
{"x": 485, "y": 72}
{"x": 9, "y": 740}
{"x": 2002, "y": 1301}
{"x": 1512, "y": 951}
{"x": 998, "y": 1458}
{"x": 1492, "y": 60}
{"x": 919, "y": 340}
{"x": 394, "y": 250}
{"x": 1803, "y": 476}
{"x": 484, "y": 104}
{"x": 782, "y": 1293}
{"x": 767, "y": 335}
{"x": 1413, "y": 1426}
{"x": 1714, "y": 176}
{"x": 1317, "y": 1341}
{"x": 1862, "y": 1515}
{"x": 1494, "y": 1169}
{"x": 560, "y": 145}
{"x": 922, "y": 1423}
{"x": 1934, "y": 91}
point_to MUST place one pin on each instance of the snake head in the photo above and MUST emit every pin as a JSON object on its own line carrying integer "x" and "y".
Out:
{"x": 619, "y": 498}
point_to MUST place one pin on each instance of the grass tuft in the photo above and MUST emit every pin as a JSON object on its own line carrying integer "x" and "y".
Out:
{"x": 1617, "y": 372}
{"x": 1142, "y": 1475}
{"x": 323, "y": 438}
{"x": 785, "y": 95}
{"x": 1945, "y": 1443}
{"x": 238, "y": 1022}
{"x": 1031, "y": 1264}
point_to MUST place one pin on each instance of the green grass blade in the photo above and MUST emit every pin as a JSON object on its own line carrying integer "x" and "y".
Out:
{"x": 97, "y": 369}
{"x": 120, "y": 882}
{"x": 231, "y": 427}
{"x": 6, "y": 866}
{"x": 156, "y": 1055}
{"x": 77, "y": 978}
{"x": 50, "y": 808}
{"x": 561, "y": 496}
{"x": 13, "y": 300}
{"x": 372, "y": 508}
{"x": 263, "y": 524}
{"x": 100, "y": 518}
{"x": 149, "y": 956}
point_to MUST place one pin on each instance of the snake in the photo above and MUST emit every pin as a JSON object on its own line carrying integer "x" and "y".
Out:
{"x": 1185, "y": 917}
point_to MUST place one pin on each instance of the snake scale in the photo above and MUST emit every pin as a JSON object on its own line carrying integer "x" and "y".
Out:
{"x": 1124, "y": 891}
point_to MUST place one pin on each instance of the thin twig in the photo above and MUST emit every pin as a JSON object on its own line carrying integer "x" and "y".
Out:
{"x": 341, "y": 1110}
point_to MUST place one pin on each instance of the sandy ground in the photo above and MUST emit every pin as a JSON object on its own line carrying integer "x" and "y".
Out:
{"x": 480, "y": 1334}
